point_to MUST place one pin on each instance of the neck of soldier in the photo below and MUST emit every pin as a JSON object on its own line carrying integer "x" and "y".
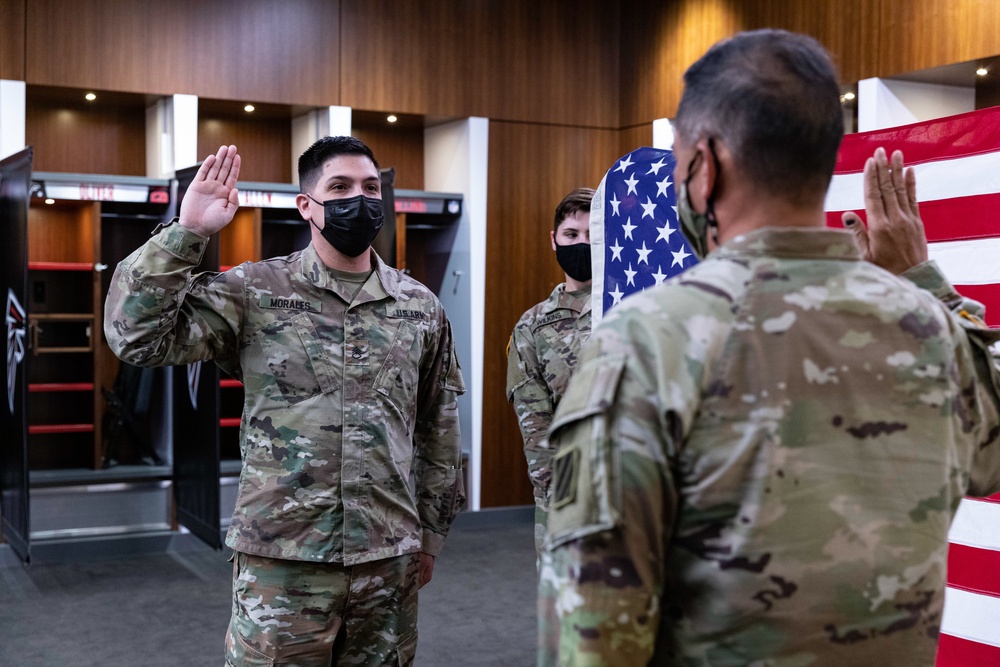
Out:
{"x": 574, "y": 285}
{"x": 745, "y": 209}
{"x": 337, "y": 260}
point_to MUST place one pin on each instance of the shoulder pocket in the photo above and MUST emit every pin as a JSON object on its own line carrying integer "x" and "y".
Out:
{"x": 585, "y": 494}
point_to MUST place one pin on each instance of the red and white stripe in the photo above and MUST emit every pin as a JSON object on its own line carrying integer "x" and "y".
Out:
{"x": 970, "y": 628}
{"x": 957, "y": 165}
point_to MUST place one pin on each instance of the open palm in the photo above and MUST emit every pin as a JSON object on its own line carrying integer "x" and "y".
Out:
{"x": 212, "y": 198}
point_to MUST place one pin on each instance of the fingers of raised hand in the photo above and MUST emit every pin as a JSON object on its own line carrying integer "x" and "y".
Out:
{"x": 234, "y": 169}
{"x": 910, "y": 182}
{"x": 874, "y": 206}
{"x": 226, "y": 157}
{"x": 896, "y": 176}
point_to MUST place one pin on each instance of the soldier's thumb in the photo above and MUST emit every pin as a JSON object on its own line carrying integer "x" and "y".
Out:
{"x": 853, "y": 223}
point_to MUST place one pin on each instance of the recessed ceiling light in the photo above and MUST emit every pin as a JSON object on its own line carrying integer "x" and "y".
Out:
{"x": 50, "y": 200}
{"x": 848, "y": 96}
{"x": 982, "y": 71}
{"x": 391, "y": 118}
{"x": 248, "y": 108}
{"x": 90, "y": 97}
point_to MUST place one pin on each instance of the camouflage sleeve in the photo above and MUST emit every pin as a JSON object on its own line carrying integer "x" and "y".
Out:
{"x": 615, "y": 432}
{"x": 980, "y": 359}
{"x": 158, "y": 314}
{"x": 437, "y": 468}
{"x": 532, "y": 401}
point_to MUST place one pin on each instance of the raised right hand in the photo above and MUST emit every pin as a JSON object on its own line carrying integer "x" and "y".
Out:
{"x": 212, "y": 198}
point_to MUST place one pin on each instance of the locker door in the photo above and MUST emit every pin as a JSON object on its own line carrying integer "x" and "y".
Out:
{"x": 196, "y": 425}
{"x": 15, "y": 187}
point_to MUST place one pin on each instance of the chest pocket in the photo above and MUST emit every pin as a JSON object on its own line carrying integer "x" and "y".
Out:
{"x": 399, "y": 375}
{"x": 295, "y": 358}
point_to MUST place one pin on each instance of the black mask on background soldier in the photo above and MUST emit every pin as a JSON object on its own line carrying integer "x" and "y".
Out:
{"x": 350, "y": 225}
{"x": 575, "y": 261}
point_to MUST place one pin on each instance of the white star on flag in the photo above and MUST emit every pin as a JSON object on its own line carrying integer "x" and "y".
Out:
{"x": 665, "y": 231}
{"x": 679, "y": 257}
{"x": 661, "y": 187}
{"x": 615, "y": 203}
{"x": 617, "y": 250}
{"x": 631, "y": 182}
{"x": 616, "y": 294}
{"x": 625, "y": 163}
{"x": 656, "y": 166}
{"x": 659, "y": 276}
{"x": 648, "y": 208}
{"x": 628, "y": 227}
{"x": 644, "y": 253}
{"x": 630, "y": 275}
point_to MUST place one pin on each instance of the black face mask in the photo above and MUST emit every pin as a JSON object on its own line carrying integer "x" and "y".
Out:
{"x": 575, "y": 261}
{"x": 350, "y": 225}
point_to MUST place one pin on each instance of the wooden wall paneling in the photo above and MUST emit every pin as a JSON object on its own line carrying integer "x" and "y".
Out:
{"x": 630, "y": 138}
{"x": 552, "y": 62}
{"x": 69, "y": 134}
{"x": 849, "y": 29}
{"x": 253, "y": 50}
{"x": 263, "y": 138}
{"x": 12, "y": 18}
{"x": 396, "y": 146}
{"x": 928, "y": 33}
{"x": 659, "y": 42}
{"x": 531, "y": 168}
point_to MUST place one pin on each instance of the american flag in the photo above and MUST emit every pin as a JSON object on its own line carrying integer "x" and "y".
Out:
{"x": 635, "y": 237}
{"x": 957, "y": 164}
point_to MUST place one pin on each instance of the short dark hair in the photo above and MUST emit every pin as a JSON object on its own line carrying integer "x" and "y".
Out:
{"x": 576, "y": 201}
{"x": 311, "y": 162}
{"x": 772, "y": 97}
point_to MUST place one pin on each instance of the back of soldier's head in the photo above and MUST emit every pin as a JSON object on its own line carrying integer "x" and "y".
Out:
{"x": 772, "y": 97}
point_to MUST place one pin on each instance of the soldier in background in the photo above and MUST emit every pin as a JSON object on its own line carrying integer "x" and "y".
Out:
{"x": 351, "y": 379}
{"x": 758, "y": 461}
{"x": 543, "y": 348}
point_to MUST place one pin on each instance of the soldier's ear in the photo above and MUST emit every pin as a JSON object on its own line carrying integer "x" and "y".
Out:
{"x": 302, "y": 202}
{"x": 552, "y": 237}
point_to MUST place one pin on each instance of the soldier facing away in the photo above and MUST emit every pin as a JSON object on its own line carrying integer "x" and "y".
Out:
{"x": 351, "y": 384}
{"x": 758, "y": 461}
{"x": 545, "y": 345}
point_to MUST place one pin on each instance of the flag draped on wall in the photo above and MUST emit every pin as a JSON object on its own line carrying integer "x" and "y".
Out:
{"x": 957, "y": 164}
{"x": 636, "y": 241}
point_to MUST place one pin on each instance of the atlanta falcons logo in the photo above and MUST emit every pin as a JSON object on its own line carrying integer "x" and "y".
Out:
{"x": 15, "y": 343}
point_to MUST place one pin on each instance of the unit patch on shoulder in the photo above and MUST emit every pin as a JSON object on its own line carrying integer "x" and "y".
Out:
{"x": 565, "y": 468}
{"x": 287, "y": 303}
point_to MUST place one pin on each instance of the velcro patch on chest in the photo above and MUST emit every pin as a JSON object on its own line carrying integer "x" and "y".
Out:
{"x": 557, "y": 316}
{"x": 288, "y": 303}
{"x": 402, "y": 314}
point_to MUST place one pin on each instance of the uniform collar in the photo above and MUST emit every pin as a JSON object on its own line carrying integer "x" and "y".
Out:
{"x": 793, "y": 242}
{"x": 382, "y": 283}
{"x": 560, "y": 298}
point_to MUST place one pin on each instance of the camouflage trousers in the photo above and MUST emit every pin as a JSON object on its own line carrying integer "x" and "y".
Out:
{"x": 298, "y": 614}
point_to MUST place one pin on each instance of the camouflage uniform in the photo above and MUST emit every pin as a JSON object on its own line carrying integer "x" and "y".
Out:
{"x": 758, "y": 463}
{"x": 542, "y": 355}
{"x": 344, "y": 393}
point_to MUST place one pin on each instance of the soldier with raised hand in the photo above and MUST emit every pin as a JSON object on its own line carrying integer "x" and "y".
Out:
{"x": 758, "y": 461}
{"x": 351, "y": 384}
{"x": 545, "y": 345}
